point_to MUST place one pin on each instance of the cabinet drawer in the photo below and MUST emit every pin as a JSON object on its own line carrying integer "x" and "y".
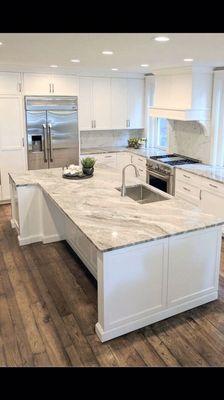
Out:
{"x": 140, "y": 161}
{"x": 188, "y": 177}
{"x": 190, "y": 199}
{"x": 187, "y": 189}
{"x": 213, "y": 186}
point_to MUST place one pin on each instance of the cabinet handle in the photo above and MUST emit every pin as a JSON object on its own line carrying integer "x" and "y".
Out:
{"x": 94, "y": 123}
{"x": 50, "y": 87}
{"x": 107, "y": 156}
{"x": 188, "y": 177}
{"x": 23, "y": 142}
{"x": 53, "y": 87}
{"x": 19, "y": 87}
{"x": 200, "y": 195}
{"x": 188, "y": 190}
{"x": 129, "y": 123}
{"x": 214, "y": 186}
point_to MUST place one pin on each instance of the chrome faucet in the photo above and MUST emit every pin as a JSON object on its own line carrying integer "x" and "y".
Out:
{"x": 123, "y": 187}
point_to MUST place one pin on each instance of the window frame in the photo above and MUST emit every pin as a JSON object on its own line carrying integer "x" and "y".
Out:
{"x": 157, "y": 134}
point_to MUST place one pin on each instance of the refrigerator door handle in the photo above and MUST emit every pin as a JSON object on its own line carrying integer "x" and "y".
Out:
{"x": 50, "y": 143}
{"x": 45, "y": 143}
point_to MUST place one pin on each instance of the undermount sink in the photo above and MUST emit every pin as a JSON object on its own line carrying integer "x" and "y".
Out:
{"x": 142, "y": 194}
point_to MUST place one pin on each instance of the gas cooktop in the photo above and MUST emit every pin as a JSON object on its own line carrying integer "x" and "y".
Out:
{"x": 174, "y": 159}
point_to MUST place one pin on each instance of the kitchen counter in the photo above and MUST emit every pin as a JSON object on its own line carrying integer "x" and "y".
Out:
{"x": 151, "y": 261}
{"x": 207, "y": 171}
{"x": 108, "y": 220}
{"x": 147, "y": 153}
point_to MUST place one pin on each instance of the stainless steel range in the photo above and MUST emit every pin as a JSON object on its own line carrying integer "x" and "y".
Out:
{"x": 160, "y": 170}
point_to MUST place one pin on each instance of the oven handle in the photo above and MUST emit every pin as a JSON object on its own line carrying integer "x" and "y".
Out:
{"x": 163, "y": 177}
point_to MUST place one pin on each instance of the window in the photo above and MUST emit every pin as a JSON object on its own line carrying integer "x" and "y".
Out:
{"x": 162, "y": 133}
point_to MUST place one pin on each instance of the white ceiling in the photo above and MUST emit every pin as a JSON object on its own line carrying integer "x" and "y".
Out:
{"x": 39, "y": 50}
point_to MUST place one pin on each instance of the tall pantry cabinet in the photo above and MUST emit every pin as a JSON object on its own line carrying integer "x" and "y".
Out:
{"x": 12, "y": 154}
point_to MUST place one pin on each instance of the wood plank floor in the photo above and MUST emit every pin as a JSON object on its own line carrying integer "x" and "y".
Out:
{"x": 48, "y": 309}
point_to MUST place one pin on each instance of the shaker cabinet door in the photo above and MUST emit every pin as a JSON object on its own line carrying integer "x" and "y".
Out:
{"x": 119, "y": 103}
{"x": 101, "y": 103}
{"x": 135, "y": 103}
{"x": 37, "y": 84}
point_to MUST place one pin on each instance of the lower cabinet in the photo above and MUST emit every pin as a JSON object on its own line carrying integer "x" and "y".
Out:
{"x": 202, "y": 192}
{"x": 119, "y": 160}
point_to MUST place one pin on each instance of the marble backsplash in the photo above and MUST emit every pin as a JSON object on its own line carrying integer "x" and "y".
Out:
{"x": 187, "y": 138}
{"x": 108, "y": 138}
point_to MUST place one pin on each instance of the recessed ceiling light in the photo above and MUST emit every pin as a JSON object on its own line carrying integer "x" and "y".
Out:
{"x": 1, "y": 43}
{"x": 75, "y": 60}
{"x": 107, "y": 52}
{"x": 144, "y": 65}
{"x": 188, "y": 59}
{"x": 114, "y": 69}
{"x": 53, "y": 66}
{"x": 161, "y": 38}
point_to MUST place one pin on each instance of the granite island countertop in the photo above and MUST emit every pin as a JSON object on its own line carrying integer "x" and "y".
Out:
{"x": 205, "y": 170}
{"x": 147, "y": 153}
{"x": 110, "y": 221}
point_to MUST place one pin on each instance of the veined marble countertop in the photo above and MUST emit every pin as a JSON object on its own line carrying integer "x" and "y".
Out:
{"x": 147, "y": 153}
{"x": 110, "y": 221}
{"x": 207, "y": 171}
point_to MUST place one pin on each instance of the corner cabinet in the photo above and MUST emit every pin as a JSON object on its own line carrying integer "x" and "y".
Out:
{"x": 44, "y": 84}
{"x": 111, "y": 103}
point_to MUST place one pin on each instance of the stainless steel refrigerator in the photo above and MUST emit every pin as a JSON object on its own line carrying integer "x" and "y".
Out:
{"x": 52, "y": 131}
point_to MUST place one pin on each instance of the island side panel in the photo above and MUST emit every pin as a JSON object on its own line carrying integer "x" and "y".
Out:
{"x": 132, "y": 285}
{"x": 143, "y": 284}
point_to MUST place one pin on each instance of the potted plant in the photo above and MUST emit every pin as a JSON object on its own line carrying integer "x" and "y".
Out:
{"x": 88, "y": 165}
{"x": 133, "y": 142}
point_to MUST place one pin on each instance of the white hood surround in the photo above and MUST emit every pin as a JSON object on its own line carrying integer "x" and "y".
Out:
{"x": 183, "y": 94}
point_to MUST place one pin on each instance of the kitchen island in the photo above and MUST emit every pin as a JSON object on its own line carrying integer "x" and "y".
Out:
{"x": 151, "y": 261}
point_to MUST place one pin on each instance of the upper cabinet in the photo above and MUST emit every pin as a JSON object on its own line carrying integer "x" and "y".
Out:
{"x": 182, "y": 94}
{"x": 44, "y": 84}
{"x": 37, "y": 84}
{"x": 119, "y": 103}
{"x": 10, "y": 83}
{"x": 101, "y": 103}
{"x": 111, "y": 103}
{"x": 65, "y": 85}
{"x": 85, "y": 104}
{"x": 135, "y": 103}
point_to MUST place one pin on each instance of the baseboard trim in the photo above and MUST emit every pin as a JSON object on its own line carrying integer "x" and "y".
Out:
{"x": 39, "y": 238}
{"x": 105, "y": 335}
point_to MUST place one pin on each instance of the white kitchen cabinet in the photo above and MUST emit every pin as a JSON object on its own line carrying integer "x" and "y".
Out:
{"x": 85, "y": 104}
{"x": 212, "y": 203}
{"x": 101, "y": 103}
{"x": 48, "y": 84}
{"x": 37, "y": 84}
{"x": 11, "y": 161}
{"x": 202, "y": 192}
{"x": 119, "y": 103}
{"x": 94, "y": 104}
{"x": 65, "y": 85}
{"x": 12, "y": 153}
{"x": 10, "y": 83}
{"x": 135, "y": 103}
{"x": 114, "y": 103}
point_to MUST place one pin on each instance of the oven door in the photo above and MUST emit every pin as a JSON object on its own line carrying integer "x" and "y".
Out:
{"x": 159, "y": 181}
